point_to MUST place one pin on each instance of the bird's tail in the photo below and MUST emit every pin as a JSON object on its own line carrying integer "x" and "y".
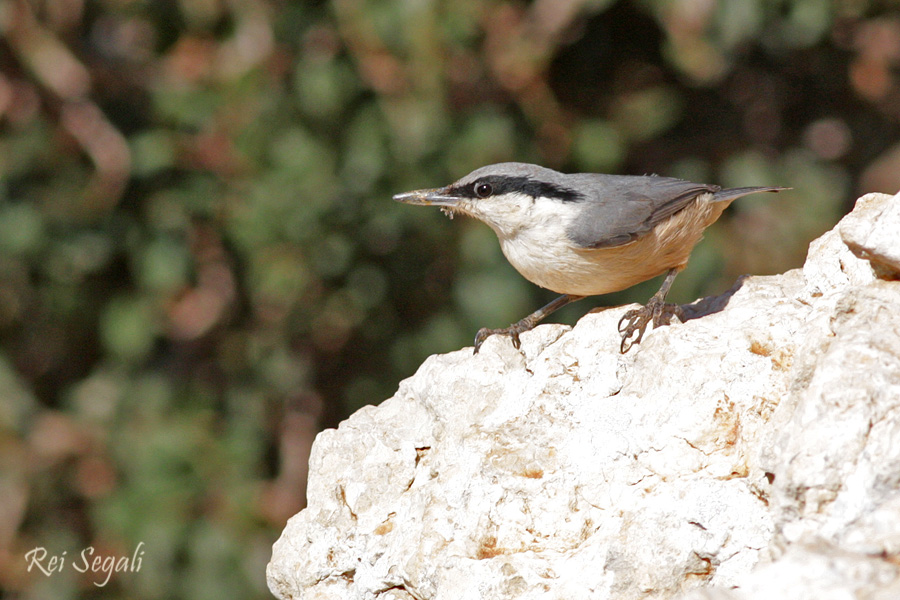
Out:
{"x": 735, "y": 193}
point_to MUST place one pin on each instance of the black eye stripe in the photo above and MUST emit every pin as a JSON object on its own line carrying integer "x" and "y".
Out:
{"x": 504, "y": 184}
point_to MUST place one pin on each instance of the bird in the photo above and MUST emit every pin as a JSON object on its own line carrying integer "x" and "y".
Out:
{"x": 587, "y": 234}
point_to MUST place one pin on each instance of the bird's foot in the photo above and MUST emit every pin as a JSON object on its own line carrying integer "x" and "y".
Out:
{"x": 525, "y": 324}
{"x": 633, "y": 323}
{"x": 512, "y": 331}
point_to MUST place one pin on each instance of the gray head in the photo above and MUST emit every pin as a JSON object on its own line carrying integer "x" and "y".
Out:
{"x": 493, "y": 193}
{"x": 513, "y": 177}
{"x": 497, "y": 180}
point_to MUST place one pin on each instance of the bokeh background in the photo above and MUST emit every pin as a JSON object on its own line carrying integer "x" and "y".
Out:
{"x": 201, "y": 265}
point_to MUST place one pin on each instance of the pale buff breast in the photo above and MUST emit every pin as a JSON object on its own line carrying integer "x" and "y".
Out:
{"x": 549, "y": 262}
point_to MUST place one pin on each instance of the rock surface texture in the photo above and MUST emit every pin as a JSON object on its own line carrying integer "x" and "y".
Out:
{"x": 750, "y": 453}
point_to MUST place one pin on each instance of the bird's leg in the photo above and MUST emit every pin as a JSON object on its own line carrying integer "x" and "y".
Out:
{"x": 525, "y": 324}
{"x": 635, "y": 321}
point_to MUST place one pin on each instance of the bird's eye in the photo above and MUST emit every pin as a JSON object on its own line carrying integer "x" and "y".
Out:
{"x": 483, "y": 190}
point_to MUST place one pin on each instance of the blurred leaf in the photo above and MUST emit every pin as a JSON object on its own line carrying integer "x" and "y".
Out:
{"x": 484, "y": 138}
{"x": 278, "y": 276}
{"x": 368, "y": 286}
{"x": 25, "y": 150}
{"x": 808, "y": 21}
{"x": 323, "y": 87}
{"x": 364, "y": 154}
{"x": 78, "y": 253}
{"x": 164, "y": 265}
{"x": 153, "y": 151}
{"x": 647, "y": 113}
{"x": 598, "y": 148}
{"x": 18, "y": 403}
{"x": 331, "y": 256}
{"x": 737, "y": 20}
{"x": 494, "y": 299}
{"x": 127, "y": 329}
{"x": 22, "y": 228}
{"x": 186, "y": 107}
{"x": 748, "y": 168}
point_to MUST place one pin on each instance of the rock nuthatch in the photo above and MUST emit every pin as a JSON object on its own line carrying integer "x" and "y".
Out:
{"x": 584, "y": 234}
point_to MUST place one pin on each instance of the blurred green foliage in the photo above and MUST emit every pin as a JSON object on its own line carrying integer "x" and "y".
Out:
{"x": 200, "y": 265}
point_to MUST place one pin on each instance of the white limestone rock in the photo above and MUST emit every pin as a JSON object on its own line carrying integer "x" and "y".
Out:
{"x": 870, "y": 232}
{"x": 751, "y": 452}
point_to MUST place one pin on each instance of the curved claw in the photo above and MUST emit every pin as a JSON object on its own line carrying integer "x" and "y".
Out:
{"x": 635, "y": 321}
{"x": 483, "y": 334}
{"x": 630, "y": 316}
{"x": 514, "y": 335}
{"x": 512, "y": 331}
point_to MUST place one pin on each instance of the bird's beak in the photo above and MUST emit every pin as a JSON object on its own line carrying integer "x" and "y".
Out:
{"x": 436, "y": 197}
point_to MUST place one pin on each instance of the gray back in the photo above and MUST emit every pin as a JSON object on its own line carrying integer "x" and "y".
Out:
{"x": 618, "y": 209}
